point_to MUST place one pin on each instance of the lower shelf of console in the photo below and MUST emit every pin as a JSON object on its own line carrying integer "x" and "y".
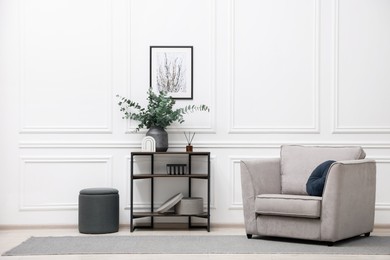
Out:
{"x": 156, "y": 214}
{"x": 153, "y": 223}
{"x": 171, "y": 226}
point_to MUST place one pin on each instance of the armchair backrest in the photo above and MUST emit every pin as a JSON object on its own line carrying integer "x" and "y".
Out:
{"x": 297, "y": 163}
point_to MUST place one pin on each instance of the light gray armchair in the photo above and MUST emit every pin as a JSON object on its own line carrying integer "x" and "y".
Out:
{"x": 276, "y": 203}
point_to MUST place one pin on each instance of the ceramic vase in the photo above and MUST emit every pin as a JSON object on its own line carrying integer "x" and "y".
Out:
{"x": 160, "y": 136}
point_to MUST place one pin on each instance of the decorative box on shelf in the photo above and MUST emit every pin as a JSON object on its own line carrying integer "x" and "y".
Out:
{"x": 189, "y": 206}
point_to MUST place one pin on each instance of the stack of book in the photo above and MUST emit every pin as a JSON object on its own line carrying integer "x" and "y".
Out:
{"x": 176, "y": 169}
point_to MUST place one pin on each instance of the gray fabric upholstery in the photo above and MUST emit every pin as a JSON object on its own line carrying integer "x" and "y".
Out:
{"x": 346, "y": 208}
{"x": 349, "y": 200}
{"x": 298, "y": 162}
{"x": 288, "y": 205}
{"x": 98, "y": 210}
{"x": 279, "y": 226}
{"x": 257, "y": 177}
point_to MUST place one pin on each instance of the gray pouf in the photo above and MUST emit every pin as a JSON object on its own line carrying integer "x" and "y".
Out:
{"x": 98, "y": 210}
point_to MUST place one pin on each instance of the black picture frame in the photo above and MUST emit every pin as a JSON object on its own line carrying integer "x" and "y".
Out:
{"x": 171, "y": 70}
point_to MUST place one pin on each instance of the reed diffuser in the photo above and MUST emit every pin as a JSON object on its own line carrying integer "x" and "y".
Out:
{"x": 189, "y": 139}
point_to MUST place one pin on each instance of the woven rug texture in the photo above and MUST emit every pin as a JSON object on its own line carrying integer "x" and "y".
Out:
{"x": 108, "y": 244}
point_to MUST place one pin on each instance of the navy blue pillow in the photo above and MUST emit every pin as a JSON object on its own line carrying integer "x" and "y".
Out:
{"x": 316, "y": 182}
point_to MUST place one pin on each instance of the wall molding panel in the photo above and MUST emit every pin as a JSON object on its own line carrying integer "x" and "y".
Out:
{"x": 235, "y": 204}
{"x": 50, "y": 181}
{"x": 234, "y": 86}
{"x": 338, "y": 126}
{"x": 382, "y": 206}
{"x": 31, "y": 108}
{"x": 381, "y": 185}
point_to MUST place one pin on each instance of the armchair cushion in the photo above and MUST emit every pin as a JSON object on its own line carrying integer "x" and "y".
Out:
{"x": 316, "y": 182}
{"x": 288, "y": 205}
{"x": 298, "y": 162}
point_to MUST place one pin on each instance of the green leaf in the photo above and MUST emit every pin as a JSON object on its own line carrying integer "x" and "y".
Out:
{"x": 159, "y": 111}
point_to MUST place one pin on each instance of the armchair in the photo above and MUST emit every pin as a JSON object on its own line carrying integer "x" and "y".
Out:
{"x": 276, "y": 203}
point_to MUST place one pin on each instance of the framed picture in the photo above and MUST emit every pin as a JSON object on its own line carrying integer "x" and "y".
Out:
{"x": 171, "y": 69}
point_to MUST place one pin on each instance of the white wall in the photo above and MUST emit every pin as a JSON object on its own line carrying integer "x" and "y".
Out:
{"x": 273, "y": 72}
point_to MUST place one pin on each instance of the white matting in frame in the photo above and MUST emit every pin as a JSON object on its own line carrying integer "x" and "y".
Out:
{"x": 171, "y": 70}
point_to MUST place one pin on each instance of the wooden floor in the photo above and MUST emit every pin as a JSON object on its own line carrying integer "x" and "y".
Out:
{"x": 11, "y": 237}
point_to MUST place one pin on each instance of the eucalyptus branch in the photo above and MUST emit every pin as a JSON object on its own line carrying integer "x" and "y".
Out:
{"x": 160, "y": 111}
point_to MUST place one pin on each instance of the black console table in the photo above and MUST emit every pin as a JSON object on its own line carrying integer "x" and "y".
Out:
{"x": 153, "y": 176}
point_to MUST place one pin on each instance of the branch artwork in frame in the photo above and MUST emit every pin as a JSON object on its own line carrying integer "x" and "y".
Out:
{"x": 171, "y": 69}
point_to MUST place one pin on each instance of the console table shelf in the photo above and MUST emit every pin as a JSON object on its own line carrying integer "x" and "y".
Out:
{"x": 169, "y": 214}
{"x": 164, "y": 175}
{"x": 152, "y": 176}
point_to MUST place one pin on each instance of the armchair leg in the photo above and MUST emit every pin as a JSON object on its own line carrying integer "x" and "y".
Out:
{"x": 249, "y": 236}
{"x": 367, "y": 234}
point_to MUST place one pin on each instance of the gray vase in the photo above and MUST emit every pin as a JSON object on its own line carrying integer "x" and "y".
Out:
{"x": 161, "y": 136}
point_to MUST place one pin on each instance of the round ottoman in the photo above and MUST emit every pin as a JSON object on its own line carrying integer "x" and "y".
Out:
{"x": 98, "y": 210}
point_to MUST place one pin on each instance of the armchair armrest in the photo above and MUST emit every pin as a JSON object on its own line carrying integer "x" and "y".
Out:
{"x": 258, "y": 176}
{"x": 348, "y": 203}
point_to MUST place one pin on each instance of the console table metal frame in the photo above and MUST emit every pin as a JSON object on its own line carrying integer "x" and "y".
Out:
{"x": 152, "y": 175}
